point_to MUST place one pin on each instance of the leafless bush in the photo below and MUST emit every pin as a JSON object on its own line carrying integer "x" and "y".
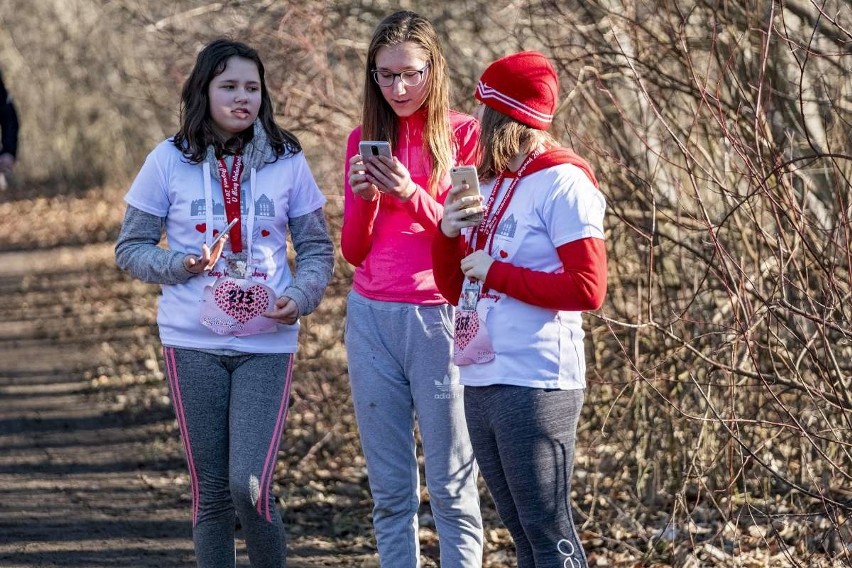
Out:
{"x": 722, "y": 133}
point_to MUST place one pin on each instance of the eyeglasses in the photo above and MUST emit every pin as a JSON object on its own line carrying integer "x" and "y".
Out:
{"x": 410, "y": 78}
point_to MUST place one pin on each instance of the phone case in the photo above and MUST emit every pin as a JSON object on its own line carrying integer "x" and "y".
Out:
{"x": 465, "y": 174}
{"x": 374, "y": 148}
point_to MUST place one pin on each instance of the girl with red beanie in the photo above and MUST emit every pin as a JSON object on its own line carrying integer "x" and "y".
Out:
{"x": 526, "y": 273}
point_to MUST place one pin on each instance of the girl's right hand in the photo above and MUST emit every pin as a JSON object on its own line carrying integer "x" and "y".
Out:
{"x": 358, "y": 181}
{"x": 457, "y": 211}
{"x": 208, "y": 258}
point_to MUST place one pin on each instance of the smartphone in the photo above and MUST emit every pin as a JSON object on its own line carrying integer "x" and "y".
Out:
{"x": 374, "y": 148}
{"x": 224, "y": 232}
{"x": 467, "y": 174}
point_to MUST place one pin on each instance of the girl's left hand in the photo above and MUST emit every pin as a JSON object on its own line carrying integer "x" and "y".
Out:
{"x": 286, "y": 311}
{"x": 476, "y": 265}
{"x": 390, "y": 176}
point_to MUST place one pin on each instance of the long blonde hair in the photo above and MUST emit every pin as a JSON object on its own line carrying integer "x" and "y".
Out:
{"x": 379, "y": 121}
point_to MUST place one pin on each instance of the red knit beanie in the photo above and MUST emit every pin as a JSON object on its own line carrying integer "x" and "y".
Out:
{"x": 523, "y": 86}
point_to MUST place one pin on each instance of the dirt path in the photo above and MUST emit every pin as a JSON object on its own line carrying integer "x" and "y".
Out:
{"x": 83, "y": 481}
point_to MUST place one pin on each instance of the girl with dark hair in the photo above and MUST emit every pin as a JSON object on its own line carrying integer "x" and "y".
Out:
{"x": 532, "y": 266}
{"x": 229, "y": 312}
{"x": 398, "y": 334}
{"x": 197, "y": 132}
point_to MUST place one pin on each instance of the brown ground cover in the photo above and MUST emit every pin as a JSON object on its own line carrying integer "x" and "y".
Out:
{"x": 91, "y": 471}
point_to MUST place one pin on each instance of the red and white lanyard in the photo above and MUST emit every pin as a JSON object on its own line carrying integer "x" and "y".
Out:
{"x": 231, "y": 193}
{"x": 484, "y": 233}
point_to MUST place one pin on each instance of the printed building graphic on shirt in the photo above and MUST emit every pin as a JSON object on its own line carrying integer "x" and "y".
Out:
{"x": 507, "y": 227}
{"x": 263, "y": 207}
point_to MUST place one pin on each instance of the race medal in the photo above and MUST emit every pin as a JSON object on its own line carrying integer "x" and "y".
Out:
{"x": 470, "y": 295}
{"x": 237, "y": 261}
{"x": 234, "y": 304}
{"x": 231, "y": 193}
{"x": 471, "y": 341}
{"x": 237, "y": 265}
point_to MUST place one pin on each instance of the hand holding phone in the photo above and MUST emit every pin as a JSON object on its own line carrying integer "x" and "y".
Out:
{"x": 467, "y": 175}
{"x": 389, "y": 176}
{"x": 369, "y": 148}
{"x": 209, "y": 254}
{"x": 224, "y": 232}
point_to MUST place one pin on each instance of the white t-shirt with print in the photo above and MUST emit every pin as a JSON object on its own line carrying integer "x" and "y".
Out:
{"x": 538, "y": 347}
{"x": 170, "y": 187}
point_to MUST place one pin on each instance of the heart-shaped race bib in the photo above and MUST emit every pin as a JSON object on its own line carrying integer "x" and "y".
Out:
{"x": 466, "y": 326}
{"x": 471, "y": 342}
{"x": 236, "y": 307}
{"x": 241, "y": 301}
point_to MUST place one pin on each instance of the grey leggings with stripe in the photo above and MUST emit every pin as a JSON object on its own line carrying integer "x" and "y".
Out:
{"x": 523, "y": 439}
{"x": 231, "y": 411}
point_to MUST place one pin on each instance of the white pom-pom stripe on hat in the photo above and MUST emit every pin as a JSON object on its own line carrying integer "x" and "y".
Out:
{"x": 486, "y": 92}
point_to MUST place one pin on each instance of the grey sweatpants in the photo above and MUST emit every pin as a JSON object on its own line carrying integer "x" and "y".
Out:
{"x": 524, "y": 441}
{"x": 399, "y": 369}
{"x": 231, "y": 412}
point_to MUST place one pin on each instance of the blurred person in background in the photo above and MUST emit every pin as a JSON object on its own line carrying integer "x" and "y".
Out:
{"x": 229, "y": 312}
{"x": 398, "y": 326}
{"x": 531, "y": 267}
{"x": 8, "y": 133}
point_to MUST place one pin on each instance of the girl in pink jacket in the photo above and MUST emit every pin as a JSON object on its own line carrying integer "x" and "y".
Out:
{"x": 398, "y": 326}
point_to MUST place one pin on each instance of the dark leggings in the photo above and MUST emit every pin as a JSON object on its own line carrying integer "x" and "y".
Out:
{"x": 231, "y": 412}
{"x": 523, "y": 439}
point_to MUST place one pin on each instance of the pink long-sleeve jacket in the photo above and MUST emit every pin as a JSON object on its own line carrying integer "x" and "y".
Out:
{"x": 389, "y": 241}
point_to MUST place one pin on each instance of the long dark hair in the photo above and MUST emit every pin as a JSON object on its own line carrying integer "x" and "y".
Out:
{"x": 378, "y": 120}
{"x": 196, "y": 129}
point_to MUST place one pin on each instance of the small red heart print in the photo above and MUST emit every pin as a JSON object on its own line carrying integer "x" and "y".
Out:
{"x": 503, "y": 254}
{"x": 264, "y": 233}
{"x": 215, "y": 232}
{"x": 201, "y": 227}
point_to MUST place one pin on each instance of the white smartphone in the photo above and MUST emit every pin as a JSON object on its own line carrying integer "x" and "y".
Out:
{"x": 224, "y": 232}
{"x": 374, "y": 148}
{"x": 468, "y": 175}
